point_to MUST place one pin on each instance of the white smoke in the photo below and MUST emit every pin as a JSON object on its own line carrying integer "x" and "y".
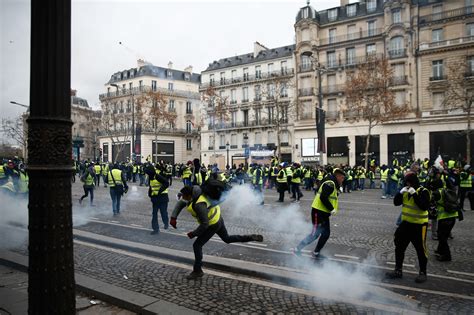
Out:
{"x": 13, "y": 221}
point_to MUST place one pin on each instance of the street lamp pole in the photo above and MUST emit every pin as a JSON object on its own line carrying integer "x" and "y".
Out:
{"x": 227, "y": 146}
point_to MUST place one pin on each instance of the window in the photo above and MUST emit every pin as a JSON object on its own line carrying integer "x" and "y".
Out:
{"x": 332, "y": 14}
{"x": 108, "y": 91}
{"x": 437, "y": 35}
{"x": 271, "y": 114}
{"x": 305, "y": 35}
{"x": 437, "y": 66}
{"x": 140, "y": 85}
{"x": 371, "y": 5}
{"x": 400, "y": 98}
{"x": 189, "y": 126}
{"x": 470, "y": 29}
{"x": 222, "y": 77}
{"x": 438, "y": 100}
{"x": 170, "y": 86}
{"x": 307, "y": 110}
{"x": 130, "y": 85}
{"x": 331, "y": 82}
{"x": 351, "y": 10}
{"x": 221, "y": 95}
{"x": 189, "y": 108}
{"x": 283, "y": 90}
{"x": 246, "y": 74}
{"x": 258, "y": 138}
{"x": 233, "y": 140}
{"x": 258, "y": 72}
{"x": 221, "y": 141}
{"x": 271, "y": 137}
{"x": 171, "y": 106}
{"x": 246, "y": 117}
{"x": 396, "y": 16}
{"x": 285, "y": 137}
{"x": 470, "y": 65}
{"x": 332, "y": 35}
{"x": 270, "y": 90}
{"x": 284, "y": 67}
{"x": 211, "y": 142}
{"x": 233, "y": 75}
{"x": 258, "y": 115}
{"x": 351, "y": 31}
{"x": 270, "y": 68}
{"x": 332, "y": 105}
{"x": 258, "y": 93}
{"x": 211, "y": 79}
{"x": 397, "y": 45}
{"x": 189, "y": 144}
{"x": 233, "y": 98}
{"x": 153, "y": 85}
{"x": 371, "y": 28}
{"x": 187, "y": 77}
{"x": 233, "y": 118}
{"x": 437, "y": 9}
{"x": 124, "y": 86}
{"x": 331, "y": 59}
{"x": 129, "y": 106}
{"x": 245, "y": 94}
{"x": 399, "y": 70}
{"x": 169, "y": 73}
{"x": 350, "y": 55}
{"x": 305, "y": 63}
{"x": 371, "y": 49}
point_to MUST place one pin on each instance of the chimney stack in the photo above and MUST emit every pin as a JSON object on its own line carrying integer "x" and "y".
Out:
{"x": 73, "y": 92}
{"x": 189, "y": 69}
{"x": 170, "y": 65}
{"x": 344, "y": 2}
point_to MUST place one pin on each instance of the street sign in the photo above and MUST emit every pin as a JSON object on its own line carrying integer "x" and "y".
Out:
{"x": 247, "y": 152}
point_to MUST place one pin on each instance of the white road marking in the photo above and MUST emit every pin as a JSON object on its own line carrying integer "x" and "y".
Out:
{"x": 404, "y": 265}
{"x": 461, "y": 273}
{"x": 136, "y": 225}
{"x": 424, "y": 290}
{"x": 242, "y": 278}
{"x": 114, "y": 221}
{"x": 346, "y": 256}
{"x": 307, "y": 251}
{"x": 94, "y": 218}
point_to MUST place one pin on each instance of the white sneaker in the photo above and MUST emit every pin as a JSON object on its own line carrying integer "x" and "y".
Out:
{"x": 383, "y": 197}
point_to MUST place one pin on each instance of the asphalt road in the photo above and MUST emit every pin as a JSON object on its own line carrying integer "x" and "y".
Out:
{"x": 360, "y": 249}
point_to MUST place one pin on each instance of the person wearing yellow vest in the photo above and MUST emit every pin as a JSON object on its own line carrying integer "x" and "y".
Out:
{"x": 415, "y": 202}
{"x": 446, "y": 222}
{"x": 257, "y": 181}
{"x": 324, "y": 204}
{"x": 88, "y": 179}
{"x": 465, "y": 186}
{"x": 282, "y": 182}
{"x": 158, "y": 193}
{"x": 118, "y": 186}
{"x": 23, "y": 182}
{"x": 98, "y": 172}
{"x": 384, "y": 181}
{"x": 295, "y": 183}
{"x": 105, "y": 171}
{"x": 208, "y": 215}
{"x": 187, "y": 173}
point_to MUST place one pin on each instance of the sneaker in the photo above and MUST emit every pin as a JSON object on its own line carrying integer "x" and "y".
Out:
{"x": 421, "y": 277}
{"x": 317, "y": 255}
{"x": 195, "y": 275}
{"x": 296, "y": 252}
{"x": 396, "y": 274}
{"x": 155, "y": 232}
{"x": 257, "y": 237}
{"x": 383, "y": 197}
{"x": 166, "y": 227}
{"x": 443, "y": 258}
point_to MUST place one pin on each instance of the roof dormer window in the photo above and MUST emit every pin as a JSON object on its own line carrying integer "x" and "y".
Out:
{"x": 187, "y": 76}
{"x": 169, "y": 73}
{"x": 351, "y": 9}
{"x": 332, "y": 14}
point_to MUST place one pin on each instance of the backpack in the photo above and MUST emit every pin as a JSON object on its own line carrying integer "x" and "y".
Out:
{"x": 214, "y": 188}
{"x": 450, "y": 200}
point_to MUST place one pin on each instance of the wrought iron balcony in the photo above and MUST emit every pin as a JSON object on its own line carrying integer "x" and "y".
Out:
{"x": 397, "y": 53}
{"x": 438, "y": 78}
{"x": 448, "y": 42}
{"x": 332, "y": 115}
{"x": 399, "y": 80}
{"x": 250, "y": 78}
{"x": 306, "y": 92}
{"x": 306, "y": 116}
{"x": 449, "y": 14}
{"x": 351, "y": 36}
{"x": 333, "y": 89}
{"x": 351, "y": 114}
{"x": 145, "y": 89}
{"x": 305, "y": 68}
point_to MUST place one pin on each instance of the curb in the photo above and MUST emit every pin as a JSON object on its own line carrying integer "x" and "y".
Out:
{"x": 114, "y": 295}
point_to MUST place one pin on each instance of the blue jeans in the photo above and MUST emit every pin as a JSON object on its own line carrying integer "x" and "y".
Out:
{"x": 321, "y": 229}
{"x": 372, "y": 184}
{"x": 187, "y": 181}
{"x": 163, "y": 207}
{"x": 361, "y": 183}
{"x": 384, "y": 188}
{"x": 115, "y": 200}
{"x": 392, "y": 187}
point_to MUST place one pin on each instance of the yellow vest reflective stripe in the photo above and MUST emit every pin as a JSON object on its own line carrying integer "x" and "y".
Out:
{"x": 467, "y": 182}
{"x": 307, "y": 174}
{"x": 451, "y": 164}
{"x": 320, "y": 175}
{"x": 411, "y": 212}
{"x": 289, "y": 172}
{"x": 198, "y": 178}
{"x": 155, "y": 186}
{"x": 254, "y": 179}
{"x": 89, "y": 180}
{"x": 318, "y": 204}
{"x": 2, "y": 172}
{"x": 213, "y": 212}
{"x": 283, "y": 178}
{"x": 394, "y": 175}
{"x": 440, "y": 209}
{"x": 187, "y": 172}
{"x": 23, "y": 183}
{"x": 361, "y": 174}
{"x": 97, "y": 169}
{"x": 117, "y": 174}
{"x": 105, "y": 170}
{"x": 384, "y": 175}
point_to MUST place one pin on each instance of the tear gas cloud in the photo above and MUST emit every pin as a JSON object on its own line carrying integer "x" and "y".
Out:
{"x": 13, "y": 221}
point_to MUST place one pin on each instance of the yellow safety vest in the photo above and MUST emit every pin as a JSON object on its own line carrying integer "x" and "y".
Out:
{"x": 155, "y": 186}
{"x": 467, "y": 182}
{"x": 117, "y": 175}
{"x": 283, "y": 178}
{"x": 198, "y": 178}
{"x": 394, "y": 175}
{"x": 318, "y": 204}
{"x": 307, "y": 174}
{"x": 97, "y": 169}
{"x": 2, "y": 172}
{"x": 105, "y": 169}
{"x": 23, "y": 183}
{"x": 213, "y": 212}
{"x": 89, "y": 180}
{"x": 254, "y": 178}
{"x": 296, "y": 180}
{"x": 289, "y": 172}
{"x": 440, "y": 209}
{"x": 320, "y": 175}
{"x": 187, "y": 173}
{"x": 411, "y": 212}
{"x": 451, "y": 164}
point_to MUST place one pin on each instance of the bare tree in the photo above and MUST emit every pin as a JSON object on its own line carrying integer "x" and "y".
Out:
{"x": 13, "y": 128}
{"x": 116, "y": 126}
{"x": 281, "y": 110}
{"x": 217, "y": 111}
{"x": 158, "y": 115}
{"x": 459, "y": 95}
{"x": 369, "y": 94}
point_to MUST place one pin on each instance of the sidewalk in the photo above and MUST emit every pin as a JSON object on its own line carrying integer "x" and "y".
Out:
{"x": 90, "y": 294}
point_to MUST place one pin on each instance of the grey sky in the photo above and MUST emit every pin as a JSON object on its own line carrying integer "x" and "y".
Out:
{"x": 189, "y": 32}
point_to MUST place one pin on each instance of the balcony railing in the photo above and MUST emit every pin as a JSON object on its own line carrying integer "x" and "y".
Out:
{"x": 400, "y": 80}
{"x": 305, "y": 68}
{"x": 234, "y": 146}
{"x": 336, "y": 88}
{"x": 469, "y": 74}
{"x": 351, "y": 36}
{"x": 438, "y": 78}
{"x": 351, "y": 114}
{"x": 425, "y": 19}
{"x": 210, "y": 148}
{"x": 397, "y": 53}
{"x": 332, "y": 115}
{"x": 247, "y": 77}
{"x": 306, "y": 116}
{"x": 306, "y": 92}
{"x": 449, "y": 42}
{"x": 338, "y": 63}
{"x": 145, "y": 89}
{"x": 241, "y": 124}
{"x": 149, "y": 129}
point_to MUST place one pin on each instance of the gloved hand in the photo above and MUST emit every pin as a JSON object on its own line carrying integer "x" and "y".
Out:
{"x": 411, "y": 191}
{"x": 173, "y": 222}
{"x": 333, "y": 212}
{"x": 190, "y": 235}
{"x": 404, "y": 189}
{"x": 125, "y": 190}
